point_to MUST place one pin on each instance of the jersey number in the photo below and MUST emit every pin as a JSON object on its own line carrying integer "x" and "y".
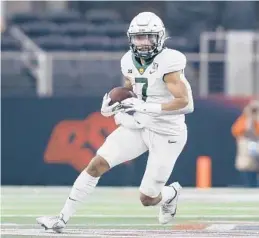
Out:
{"x": 144, "y": 83}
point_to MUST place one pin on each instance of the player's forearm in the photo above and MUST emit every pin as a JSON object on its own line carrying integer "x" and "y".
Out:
{"x": 175, "y": 104}
{"x": 127, "y": 84}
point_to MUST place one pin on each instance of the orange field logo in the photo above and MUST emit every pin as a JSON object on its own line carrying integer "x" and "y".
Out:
{"x": 75, "y": 142}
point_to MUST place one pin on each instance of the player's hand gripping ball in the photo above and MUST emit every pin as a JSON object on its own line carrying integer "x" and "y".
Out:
{"x": 119, "y": 94}
{"x": 112, "y": 101}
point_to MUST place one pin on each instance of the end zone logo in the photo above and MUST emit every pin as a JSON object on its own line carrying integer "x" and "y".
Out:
{"x": 75, "y": 142}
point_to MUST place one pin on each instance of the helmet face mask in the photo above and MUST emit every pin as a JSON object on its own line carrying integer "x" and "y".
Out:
{"x": 146, "y": 35}
{"x": 144, "y": 45}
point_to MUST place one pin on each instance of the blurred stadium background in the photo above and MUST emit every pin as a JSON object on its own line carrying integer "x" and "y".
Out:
{"x": 58, "y": 58}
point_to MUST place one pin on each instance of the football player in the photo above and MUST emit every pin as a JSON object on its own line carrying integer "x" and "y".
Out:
{"x": 156, "y": 122}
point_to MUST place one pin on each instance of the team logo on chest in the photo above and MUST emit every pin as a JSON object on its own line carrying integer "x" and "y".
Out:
{"x": 141, "y": 70}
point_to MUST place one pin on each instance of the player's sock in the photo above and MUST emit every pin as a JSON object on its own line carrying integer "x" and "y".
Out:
{"x": 167, "y": 193}
{"x": 83, "y": 186}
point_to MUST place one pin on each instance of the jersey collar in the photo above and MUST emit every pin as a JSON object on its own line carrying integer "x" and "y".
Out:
{"x": 141, "y": 68}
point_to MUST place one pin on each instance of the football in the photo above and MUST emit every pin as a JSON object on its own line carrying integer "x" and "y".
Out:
{"x": 119, "y": 94}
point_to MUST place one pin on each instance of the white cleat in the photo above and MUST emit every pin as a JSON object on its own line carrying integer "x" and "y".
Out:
{"x": 168, "y": 208}
{"x": 55, "y": 223}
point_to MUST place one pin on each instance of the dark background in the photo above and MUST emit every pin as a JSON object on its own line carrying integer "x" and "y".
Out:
{"x": 27, "y": 124}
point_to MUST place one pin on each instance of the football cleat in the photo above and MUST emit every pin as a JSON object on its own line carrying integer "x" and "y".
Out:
{"x": 169, "y": 207}
{"x": 55, "y": 223}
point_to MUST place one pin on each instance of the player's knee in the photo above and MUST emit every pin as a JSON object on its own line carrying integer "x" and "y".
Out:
{"x": 97, "y": 167}
{"x": 146, "y": 201}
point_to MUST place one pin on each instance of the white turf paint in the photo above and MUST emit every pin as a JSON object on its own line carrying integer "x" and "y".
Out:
{"x": 221, "y": 231}
{"x": 140, "y": 216}
{"x": 209, "y": 199}
{"x": 17, "y": 208}
{"x": 35, "y": 232}
{"x": 220, "y": 227}
{"x": 221, "y": 222}
{"x": 115, "y": 233}
{"x": 91, "y": 225}
{"x": 91, "y": 232}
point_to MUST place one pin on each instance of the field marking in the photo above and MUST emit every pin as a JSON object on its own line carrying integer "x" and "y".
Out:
{"x": 105, "y": 208}
{"x": 220, "y": 227}
{"x": 89, "y": 233}
{"x": 138, "y": 216}
{"x": 231, "y": 221}
{"x": 3, "y": 225}
{"x": 237, "y": 199}
{"x": 215, "y": 231}
{"x": 34, "y": 232}
{"x": 222, "y": 222}
{"x": 98, "y": 233}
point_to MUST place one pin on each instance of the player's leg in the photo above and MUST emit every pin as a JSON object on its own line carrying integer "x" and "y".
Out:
{"x": 163, "y": 153}
{"x": 83, "y": 186}
{"x": 122, "y": 145}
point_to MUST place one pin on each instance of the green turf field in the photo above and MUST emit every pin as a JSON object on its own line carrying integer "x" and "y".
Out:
{"x": 117, "y": 212}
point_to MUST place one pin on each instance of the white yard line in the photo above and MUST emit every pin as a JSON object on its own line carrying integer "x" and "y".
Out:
{"x": 107, "y": 233}
{"x": 220, "y": 227}
{"x": 88, "y": 233}
{"x": 36, "y": 202}
{"x": 32, "y": 233}
{"x": 231, "y": 221}
{"x": 90, "y": 225}
{"x": 138, "y": 216}
{"x": 124, "y": 233}
{"x": 105, "y": 208}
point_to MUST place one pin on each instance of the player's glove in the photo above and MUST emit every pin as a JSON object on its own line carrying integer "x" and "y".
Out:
{"x": 109, "y": 110}
{"x": 130, "y": 102}
{"x": 145, "y": 108}
{"x": 128, "y": 121}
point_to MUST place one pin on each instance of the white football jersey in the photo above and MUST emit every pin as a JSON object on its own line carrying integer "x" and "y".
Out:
{"x": 148, "y": 84}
